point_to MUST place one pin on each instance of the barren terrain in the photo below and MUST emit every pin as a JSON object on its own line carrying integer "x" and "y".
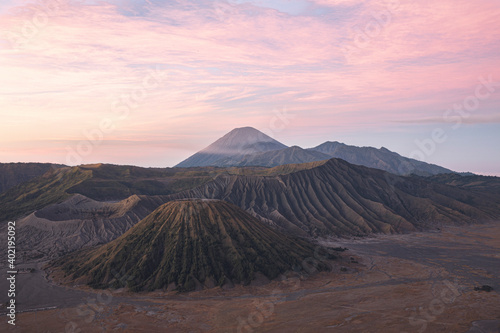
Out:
{"x": 420, "y": 282}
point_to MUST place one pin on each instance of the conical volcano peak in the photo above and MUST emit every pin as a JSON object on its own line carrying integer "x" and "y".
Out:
{"x": 189, "y": 244}
{"x": 245, "y": 140}
{"x": 233, "y": 146}
{"x": 248, "y": 129}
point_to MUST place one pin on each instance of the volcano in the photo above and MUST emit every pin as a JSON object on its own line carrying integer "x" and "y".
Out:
{"x": 232, "y": 147}
{"x": 188, "y": 244}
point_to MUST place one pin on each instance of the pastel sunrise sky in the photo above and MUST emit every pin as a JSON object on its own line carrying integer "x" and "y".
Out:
{"x": 151, "y": 82}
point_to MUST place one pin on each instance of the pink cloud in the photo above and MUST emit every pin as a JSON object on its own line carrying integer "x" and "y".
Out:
{"x": 225, "y": 66}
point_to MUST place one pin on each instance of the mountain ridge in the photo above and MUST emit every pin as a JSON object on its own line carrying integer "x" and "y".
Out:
{"x": 323, "y": 198}
{"x": 339, "y": 198}
{"x": 79, "y": 222}
{"x": 240, "y": 147}
{"x": 270, "y": 159}
{"x": 13, "y": 174}
{"x": 382, "y": 159}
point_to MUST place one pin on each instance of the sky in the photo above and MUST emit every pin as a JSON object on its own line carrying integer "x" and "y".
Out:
{"x": 150, "y": 82}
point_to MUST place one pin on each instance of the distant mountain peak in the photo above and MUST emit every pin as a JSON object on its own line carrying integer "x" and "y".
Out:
{"x": 247, "y": 146}
{"x": 333, "y": 143}
{"x": 382, "y": 158}
{"x": 238, "y": 138}
{"x": 232, "y": 146}
{"x": 245, "y": 128}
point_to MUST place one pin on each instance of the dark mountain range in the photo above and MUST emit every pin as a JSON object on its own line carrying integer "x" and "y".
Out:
{"x": 228, "y": 150}
{"x": 250, "y": 147}
{"x": 12, "y": 174}
{"x": 189, "y": 244}
{"x": 56, "y": 218}
{"x": 37, "y": 193}
{"x": 102, "y": 182}
{"x": 471, "y": 182}
{"x": 69, "y": 208}
{"x": 382, "y": 159}
{"x": 291, "y": 155}
{"x": 338, "y": 198}
{"x": 106, "y": 182}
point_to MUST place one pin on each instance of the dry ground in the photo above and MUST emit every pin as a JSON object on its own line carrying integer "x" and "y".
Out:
{"x": 421, "y": 282}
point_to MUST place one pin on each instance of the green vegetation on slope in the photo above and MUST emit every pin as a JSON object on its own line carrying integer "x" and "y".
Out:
{"x": 12, "y": 174}
{"x": 116, "y": 182}
{"x": 42, "y": 191}
{"x": 107, "y": 182}
{"x": 188, "y": 243}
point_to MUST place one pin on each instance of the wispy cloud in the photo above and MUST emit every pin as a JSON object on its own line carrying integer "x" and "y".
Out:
{"x": 230, "y": 63}
{"x": 473, "y": 120}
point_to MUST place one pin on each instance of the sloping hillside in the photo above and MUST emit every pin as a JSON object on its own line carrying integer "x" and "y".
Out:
{"x": 343, "y": 199}
{"x": 107, "y": 182}
{"x": 12, "y": 174}
{"x": 316, "y": 199}
{"x": 79, "y": 222}
{"x": 291, "y": 155}
{"x": 48, "y": 189}
{"x": 102, "y": 182}
{"x": 485, "y": 184}
{"x": 184, "y": 244}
